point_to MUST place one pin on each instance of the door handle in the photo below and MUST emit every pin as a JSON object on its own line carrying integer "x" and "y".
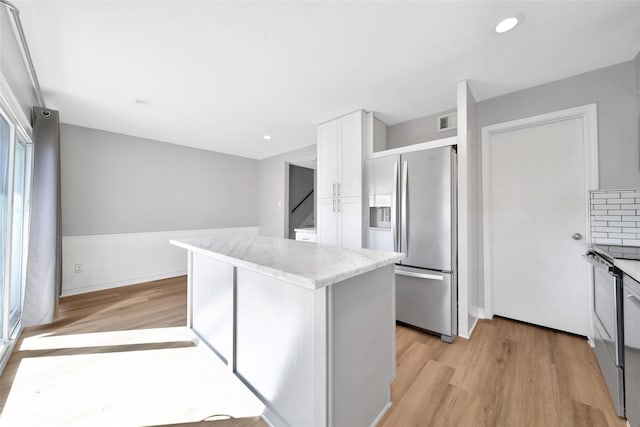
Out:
{"x": 419, "y": 275}
{"x": 576, "y": 236}
{"x": 394, "y": 208}
{"x": 338, "y": 205}
{"x": 634, "y": 300}
{"x": 334, "y": 189}
{"x": 338, "y": 189}
{"x": 404, "y": 247}
{"x": 334, "y": 204}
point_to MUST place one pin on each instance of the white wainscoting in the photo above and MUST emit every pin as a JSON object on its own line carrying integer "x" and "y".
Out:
{"x": 112, "y": 260}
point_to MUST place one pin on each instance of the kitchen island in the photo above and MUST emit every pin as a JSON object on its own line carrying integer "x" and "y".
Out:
{"x": 309, "y": 328}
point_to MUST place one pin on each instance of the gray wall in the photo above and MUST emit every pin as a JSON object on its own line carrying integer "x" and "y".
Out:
{"x": 301, "y": 182}
{"x": 13, "y": 66}
{"x": 418, "y": 130}
{"x": 612, "y": 89}
{"x": 113, "y": 183}
{"x": 637, "y": 67}
{"x": 273, "y": 196}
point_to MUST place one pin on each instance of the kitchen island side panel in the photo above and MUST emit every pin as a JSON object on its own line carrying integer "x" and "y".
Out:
{"x": 362, "y": 347}
{"x": 275, "y": 344}
{"x": 212, "y": 303}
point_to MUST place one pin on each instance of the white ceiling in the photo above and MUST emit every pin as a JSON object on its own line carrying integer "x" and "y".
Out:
{"x": 221, "y": 75}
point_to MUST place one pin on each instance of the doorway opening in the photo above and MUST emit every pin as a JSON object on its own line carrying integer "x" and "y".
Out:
{"x": 301, "y": 209}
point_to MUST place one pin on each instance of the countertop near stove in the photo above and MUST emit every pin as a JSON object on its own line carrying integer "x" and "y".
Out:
{"x": 630, "y": 267}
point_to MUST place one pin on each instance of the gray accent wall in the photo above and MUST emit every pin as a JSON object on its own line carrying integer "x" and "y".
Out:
{"x": 637, "y": 70}
{"x": 612, "y": 89}
{"x": 418, "y": 130}
{"x": 114, "y": 183}
{"x": 274, "y": 197}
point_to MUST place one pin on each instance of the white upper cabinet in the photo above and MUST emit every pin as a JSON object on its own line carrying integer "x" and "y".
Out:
{"x": 328, "y": 153}
{"x": 341, "y": 144}
{"x": 350, "y": 151}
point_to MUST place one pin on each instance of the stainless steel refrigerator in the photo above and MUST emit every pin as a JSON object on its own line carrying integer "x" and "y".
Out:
{"x": 412, "y": 209}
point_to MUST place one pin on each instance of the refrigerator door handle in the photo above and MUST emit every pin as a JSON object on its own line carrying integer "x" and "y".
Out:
{"x": 394, "y": 208}
{"x": 419, "y": 275}
{"x": 404, "y": 246}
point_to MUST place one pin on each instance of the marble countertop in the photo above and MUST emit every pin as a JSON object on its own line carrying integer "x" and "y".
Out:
{"x": 306, "y": 264}
{"x": 630, "y": 267}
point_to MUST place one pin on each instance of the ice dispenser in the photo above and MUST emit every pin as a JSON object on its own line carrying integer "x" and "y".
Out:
{"x": 380, "y": 211}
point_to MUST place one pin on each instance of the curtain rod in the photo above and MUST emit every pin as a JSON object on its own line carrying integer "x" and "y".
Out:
{"x": 25, "y": 50}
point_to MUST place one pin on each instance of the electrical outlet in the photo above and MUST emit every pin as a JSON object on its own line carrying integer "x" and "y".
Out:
{"x": 78, "y": 268}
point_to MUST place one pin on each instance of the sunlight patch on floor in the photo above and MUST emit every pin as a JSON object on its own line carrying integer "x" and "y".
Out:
{"x": 129, "y": 388}
{"x": 97, "y": 339}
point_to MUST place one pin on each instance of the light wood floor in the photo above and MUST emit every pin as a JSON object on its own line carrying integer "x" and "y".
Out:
{"x": 508, "y": 374}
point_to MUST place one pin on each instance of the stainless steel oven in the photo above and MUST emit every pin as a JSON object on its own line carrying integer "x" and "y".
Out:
{"x": 608, "y": 325}
{"x": 632, "y": 349}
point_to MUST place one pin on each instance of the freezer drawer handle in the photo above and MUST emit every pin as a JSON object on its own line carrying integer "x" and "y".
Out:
{"x": 634, "y": 299}
{"x": 419, "y": 275}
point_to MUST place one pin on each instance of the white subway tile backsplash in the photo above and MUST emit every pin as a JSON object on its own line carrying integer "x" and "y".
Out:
{"x": 609, "y": 241}
{"x": 615, "y": 217}
{"x": 622, "y": 235}
{"x": 619, "y": 223}
{"x": 608, "y": 229}
{"x": 619, "y": 201}
{"x": 622, "y": 212}
{"x": 607, "y": 218}
{"x": 605, "y": 223}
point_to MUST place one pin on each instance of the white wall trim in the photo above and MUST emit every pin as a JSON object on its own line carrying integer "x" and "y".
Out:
{"x": 11, "y": 104}
{"x": 444, "y": 142}
{"x": 114, "y": 260}
{"x": 589, "y": 115}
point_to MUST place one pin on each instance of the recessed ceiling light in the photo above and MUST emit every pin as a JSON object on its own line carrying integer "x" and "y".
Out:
{"x": 267, "y": 137}
{"x": 507, "y": 24}
{"x": 143, "y": 102}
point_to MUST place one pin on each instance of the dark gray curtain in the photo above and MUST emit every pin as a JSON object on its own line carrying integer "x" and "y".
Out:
{"x": 44, "y": 264}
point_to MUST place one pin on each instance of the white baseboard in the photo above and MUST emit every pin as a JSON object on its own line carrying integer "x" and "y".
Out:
{"x": 122, "y": 282}
{"x": 113, "y": 260}
{"x": 381, "y": 414}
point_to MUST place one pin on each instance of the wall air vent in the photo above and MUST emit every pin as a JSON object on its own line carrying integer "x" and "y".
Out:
{"x": 447, "y": 122}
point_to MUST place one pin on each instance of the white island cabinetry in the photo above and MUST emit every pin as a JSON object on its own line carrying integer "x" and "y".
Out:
{"x": 309, "y": 328}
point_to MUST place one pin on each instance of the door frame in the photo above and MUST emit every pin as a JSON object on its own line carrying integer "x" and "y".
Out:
{"x": 589, "y": 114}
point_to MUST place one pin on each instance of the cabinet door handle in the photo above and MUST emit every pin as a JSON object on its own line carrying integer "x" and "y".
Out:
{"x": 334, "y": 189}
{"x": 338, "y": 189}
{"x": 334, "y": 204}
{"x": 338, "y": 205}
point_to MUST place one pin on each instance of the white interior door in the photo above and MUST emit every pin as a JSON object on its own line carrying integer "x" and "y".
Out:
{"x": 535, "y": 185}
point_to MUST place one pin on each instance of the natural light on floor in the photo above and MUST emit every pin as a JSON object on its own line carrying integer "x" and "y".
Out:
{"x": 120, "y": 386}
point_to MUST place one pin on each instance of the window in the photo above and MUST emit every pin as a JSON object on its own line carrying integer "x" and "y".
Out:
{"x": 5, "y": 144}
{"x": 15, "y": 185}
